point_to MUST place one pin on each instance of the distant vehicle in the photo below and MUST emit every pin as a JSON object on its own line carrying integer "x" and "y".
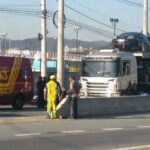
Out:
{"x": 132, "y": 42}
{"x": 148, "y": 37}
{"x": 143, "y": 69}
{"x": 16, "y": 81}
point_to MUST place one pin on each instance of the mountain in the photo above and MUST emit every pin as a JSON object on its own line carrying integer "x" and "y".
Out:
{"x": 34, "y": 44}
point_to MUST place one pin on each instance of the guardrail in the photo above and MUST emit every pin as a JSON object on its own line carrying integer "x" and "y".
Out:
{"x": 50, "y": 56}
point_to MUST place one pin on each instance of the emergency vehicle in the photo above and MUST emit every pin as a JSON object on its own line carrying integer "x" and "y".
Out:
{"x": 16, "y": 81}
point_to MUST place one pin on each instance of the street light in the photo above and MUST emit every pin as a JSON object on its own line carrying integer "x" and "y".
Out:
{"x": 4, "y": 40}
{"x": 76, "y": 29}
{"x": 114, "y": 22}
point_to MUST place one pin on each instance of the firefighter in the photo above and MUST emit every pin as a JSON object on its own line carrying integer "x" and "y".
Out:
{"x": 51, "y": 92}
{"x": 40, "y": 93}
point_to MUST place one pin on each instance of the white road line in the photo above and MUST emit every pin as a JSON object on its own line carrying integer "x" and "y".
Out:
{"x": 133, "y": 148}
{"x": 27, "y": 134}
{"x": 143, "y": 126}
{"x": 112, "y": 129}
{"x": 73, "y": 131}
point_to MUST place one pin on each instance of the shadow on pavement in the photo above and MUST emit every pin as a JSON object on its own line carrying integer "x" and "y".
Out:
{"x": 139, "y": 115}
{"x": 27, "y": 111}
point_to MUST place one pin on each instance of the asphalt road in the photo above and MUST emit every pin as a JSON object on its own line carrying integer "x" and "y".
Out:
{"x": 89, "y": 140}
{"x": 103, "y": 133}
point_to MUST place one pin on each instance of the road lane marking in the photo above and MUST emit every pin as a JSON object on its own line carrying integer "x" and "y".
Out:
{"x": 73, "y": 131}
{"x": 143, "y": 126}
{"x": 133, "y": 148}
{"x": 27, "y": 134}
{"x": 112, "y": 129}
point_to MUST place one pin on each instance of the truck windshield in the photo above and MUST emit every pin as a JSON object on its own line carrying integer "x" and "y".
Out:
{"x": 100, "y": 68}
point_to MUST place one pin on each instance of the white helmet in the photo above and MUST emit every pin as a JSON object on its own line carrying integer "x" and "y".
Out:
{"x": 52, "y": 77}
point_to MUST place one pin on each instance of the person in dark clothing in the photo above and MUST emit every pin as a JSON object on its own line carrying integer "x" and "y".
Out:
{"x": 59, "y": 93}
{"x": 40, "y": 92}
{"x": 44, "y": 81}
{"x": 73, "y": 97}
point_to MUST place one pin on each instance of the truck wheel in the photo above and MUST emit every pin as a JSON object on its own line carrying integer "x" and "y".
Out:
{"x": 146, "y": 78}
{"x": 18, "y": 102}
{"x": 131, "y": 90}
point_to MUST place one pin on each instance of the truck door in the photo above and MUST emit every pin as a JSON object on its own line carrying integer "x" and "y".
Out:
{"x": 126, "y": 74}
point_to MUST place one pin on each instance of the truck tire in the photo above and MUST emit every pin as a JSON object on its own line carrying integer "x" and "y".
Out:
{"x": 131, "y": 90}
{"x": 18, "y": 102}
{"x": 146, "y": 78}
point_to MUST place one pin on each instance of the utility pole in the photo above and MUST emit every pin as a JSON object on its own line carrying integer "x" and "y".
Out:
{"x": 43, "y": 39}
{"x": 76, "y": 29}
{"x": 145, "y": 17}
{"x": 114, "y": 22}
{"x": 60, "y": 44}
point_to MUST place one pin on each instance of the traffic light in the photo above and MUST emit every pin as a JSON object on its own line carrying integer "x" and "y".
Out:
{"x": 40, "y": 36}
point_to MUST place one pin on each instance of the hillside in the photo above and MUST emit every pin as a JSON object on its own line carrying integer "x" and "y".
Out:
{"x": 34, "y": 44}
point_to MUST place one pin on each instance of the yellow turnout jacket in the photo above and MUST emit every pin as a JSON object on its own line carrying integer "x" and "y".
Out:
{"x": 51, "y": 90}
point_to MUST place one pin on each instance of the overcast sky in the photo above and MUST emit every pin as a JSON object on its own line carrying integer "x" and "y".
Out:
{"x": 26, "y": 26}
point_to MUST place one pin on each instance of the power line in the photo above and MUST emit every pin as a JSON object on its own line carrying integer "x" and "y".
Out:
{"x": 134, "y": 4}
{"x": 131, "y": 3}
{"x": 85, "y": 26}
{"x": 90, "y": 28}
{"x": 20, "y": 5}
{"x": 36, "y": 13}
{"x": 97, "y": 21}
{"x": 98, "y": 12}
{"x": 20, "y": 11}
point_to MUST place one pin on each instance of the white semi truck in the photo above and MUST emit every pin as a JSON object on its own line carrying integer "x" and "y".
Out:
{"x": 108, "y": 73}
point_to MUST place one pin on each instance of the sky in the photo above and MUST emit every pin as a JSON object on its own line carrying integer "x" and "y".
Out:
{"x": 20, "y": 26}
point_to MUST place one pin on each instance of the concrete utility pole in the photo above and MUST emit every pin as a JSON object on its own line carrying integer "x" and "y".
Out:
{"x": 44, "y": 39}
{"x": 60, "y": 44}
{"x": 76, "y": 29}
{"x": 145, "y": 17}
{"x": 114, "y": 22}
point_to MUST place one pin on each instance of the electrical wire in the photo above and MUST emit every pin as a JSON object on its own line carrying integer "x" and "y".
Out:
{"x": 98, "y": 12}
{"x": 20, "y": 5}
{"x": 36, "y": 13}
{"x": 97, "y": 21}
{"x": 131, "y": 3}
{"x": 84, "y": 15}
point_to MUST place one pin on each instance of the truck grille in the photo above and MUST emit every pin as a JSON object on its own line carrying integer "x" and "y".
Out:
{"x": 98, "y": 89}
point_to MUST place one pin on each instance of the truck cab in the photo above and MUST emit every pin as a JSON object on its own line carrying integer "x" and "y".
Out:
{"x": 108, "y": 73}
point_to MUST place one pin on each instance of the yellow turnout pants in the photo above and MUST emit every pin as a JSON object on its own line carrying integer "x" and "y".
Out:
{"x": 51, "y": 108}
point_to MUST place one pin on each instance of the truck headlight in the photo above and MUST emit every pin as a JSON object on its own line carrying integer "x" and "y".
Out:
{"x": 115, "y": 86}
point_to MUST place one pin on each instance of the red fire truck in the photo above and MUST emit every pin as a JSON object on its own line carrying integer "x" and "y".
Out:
{"x": 16, "y": 81}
